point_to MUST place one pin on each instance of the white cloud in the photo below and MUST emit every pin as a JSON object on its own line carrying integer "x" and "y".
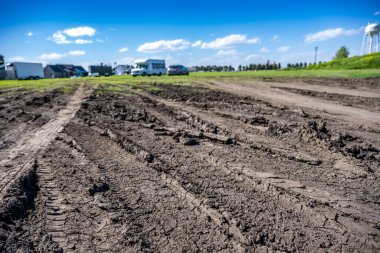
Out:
{"x": 51, "y": 56}
{"x": 264, "y": 50}
{"x": 59, "y": 38}
{"x": 232, "y": 52}
{"x": 253, "y": 41}
{"x": 164, "y": 45}
{"x": 29, "y": 34}
{"x": 123, "y": 50}
{"x": 229, "y": 41}
{"x": 198, "y": 43}
{"x": 80, "y": 31}
{"x": 275, "y": 38}
{"x": 377, "y": 13}
{"x": 77, "y": 53}
{"x": 17, "y": 58}
{"x": 330, "y": 34}
{"x": 284, "y": 49}
{"x": 81, "y": 41}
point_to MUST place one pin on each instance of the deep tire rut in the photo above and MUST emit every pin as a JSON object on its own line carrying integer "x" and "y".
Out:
{"x": 56, "y": 210}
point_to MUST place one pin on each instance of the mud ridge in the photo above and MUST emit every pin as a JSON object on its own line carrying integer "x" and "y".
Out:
{"x": 223, "y": 221}
{"x": 15, "y": 204}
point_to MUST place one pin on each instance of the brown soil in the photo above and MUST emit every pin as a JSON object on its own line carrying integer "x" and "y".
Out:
{"x": 211, "y": 168}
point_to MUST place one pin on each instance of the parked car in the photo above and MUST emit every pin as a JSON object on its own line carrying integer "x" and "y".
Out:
{"x": 177, "y": 70}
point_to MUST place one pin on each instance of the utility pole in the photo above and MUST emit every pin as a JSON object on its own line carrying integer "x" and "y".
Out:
{"x": 315, "y": 56}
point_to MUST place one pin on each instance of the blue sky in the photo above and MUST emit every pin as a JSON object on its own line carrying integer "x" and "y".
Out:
{"x": 187, "y": 32}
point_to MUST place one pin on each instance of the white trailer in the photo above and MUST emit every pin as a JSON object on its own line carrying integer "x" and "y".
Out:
{"x": 148, "y": 67}
{"x": 25, "y": 70}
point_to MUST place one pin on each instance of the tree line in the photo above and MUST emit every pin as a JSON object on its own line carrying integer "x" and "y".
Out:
{"x": 214, "y": 68}
{"x": 342, "y": 53}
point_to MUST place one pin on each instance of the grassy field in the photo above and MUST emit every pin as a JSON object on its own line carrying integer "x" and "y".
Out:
{"x": 148, "y": 82}
{"x": 356, "y": 62}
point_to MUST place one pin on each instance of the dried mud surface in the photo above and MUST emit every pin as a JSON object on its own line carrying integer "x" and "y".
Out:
{"x": 189, "y": 169}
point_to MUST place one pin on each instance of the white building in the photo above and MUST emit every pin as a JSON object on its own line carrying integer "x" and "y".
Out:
{"x": 122, "y": 69}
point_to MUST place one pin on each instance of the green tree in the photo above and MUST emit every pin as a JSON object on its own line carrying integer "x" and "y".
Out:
{"x": 342, "y": 53}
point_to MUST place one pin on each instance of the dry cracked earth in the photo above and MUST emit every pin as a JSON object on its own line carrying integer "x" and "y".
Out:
{"x": 289, "y": 166}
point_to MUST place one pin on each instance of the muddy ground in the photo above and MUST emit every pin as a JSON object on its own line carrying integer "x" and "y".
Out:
{"x": 289, "y": 166}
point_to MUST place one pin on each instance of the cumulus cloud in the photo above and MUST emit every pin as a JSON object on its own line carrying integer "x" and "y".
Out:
{"x": 164, "y": 45}
{"x": 82, "y": 41}
{"x": 51, "y": 56}
{"x": 80, "y": 31}
{"x": 123, "y": 50}
{"x": 264, "y": 50}
{"x": 229, "y": 41}
{"x": 284, "y": 49}
{"x": 77, "y": 53}
{"x": 330, "y": 34}
{"x": 29, "y": 34}
{"x": 59, "y": 38}
{"x": 17, "y": 58}
{"x": 232, "y": 52}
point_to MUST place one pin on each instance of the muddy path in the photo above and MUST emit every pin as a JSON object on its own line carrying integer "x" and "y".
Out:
{"x": 18, "y": 156}
{"x": 346, "y": 113}
{"x": 194, "y": 169}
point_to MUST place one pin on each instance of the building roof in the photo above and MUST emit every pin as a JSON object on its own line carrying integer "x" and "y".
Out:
{"x": 55, "y": 68}
{"x": 79, "y": 68}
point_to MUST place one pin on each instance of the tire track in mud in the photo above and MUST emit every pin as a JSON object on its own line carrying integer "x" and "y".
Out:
{"x": 192, "y": 203}
{"x": 197, "y": 119}
{"x": 278, "y": 96}
{"x": 339, "y": 203}
{"x": 273, "y": 183}
{"x": 36, "y": 140}
{"x": 283, "y": 190}
{"x": 223, "y": 221}
{"x": 56, "y": 210}
{"x": 73, "y": 208}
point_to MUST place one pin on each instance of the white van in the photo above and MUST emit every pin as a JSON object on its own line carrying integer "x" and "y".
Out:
{"x": 148, "y": 67}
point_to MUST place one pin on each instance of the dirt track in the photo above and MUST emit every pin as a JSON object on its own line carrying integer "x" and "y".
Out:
{"x": 253, "y": 167}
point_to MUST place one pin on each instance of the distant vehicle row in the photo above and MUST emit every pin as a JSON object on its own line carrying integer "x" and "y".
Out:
{"x": 144, "y": 67}
{"x": 149, "y": 67}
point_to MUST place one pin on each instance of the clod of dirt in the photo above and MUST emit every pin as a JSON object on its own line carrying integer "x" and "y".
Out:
{"x": 360, "y": 152}
{"x": 145, "y": 156}
{"x": 101, "y": 187}
{"x": 280, "y": 129}
{"x": 259, "y": 120}
{"x": 191, "y": 142}
{"x": 315, "y": 162}
{"x": 301, "y": 112}
{"x": 102, "y": 202}
{"x": 38, "y": 101}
